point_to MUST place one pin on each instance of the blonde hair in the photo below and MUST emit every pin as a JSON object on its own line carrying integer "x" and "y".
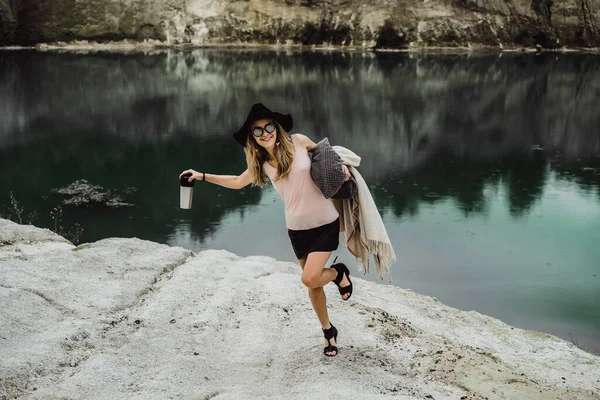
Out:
{"x": 256, "y": 156}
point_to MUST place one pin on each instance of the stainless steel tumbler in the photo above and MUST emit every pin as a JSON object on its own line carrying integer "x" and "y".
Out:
{"x": 186, "y": 192}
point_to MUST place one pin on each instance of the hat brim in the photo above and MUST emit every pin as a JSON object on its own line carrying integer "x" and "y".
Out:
{"x": 285, "y": 120}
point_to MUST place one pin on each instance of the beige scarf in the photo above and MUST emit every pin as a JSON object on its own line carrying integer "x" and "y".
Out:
{"x": 361, "y": 227}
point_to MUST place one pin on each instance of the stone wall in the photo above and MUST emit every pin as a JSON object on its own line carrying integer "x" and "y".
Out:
{"x": 382, "y": 23}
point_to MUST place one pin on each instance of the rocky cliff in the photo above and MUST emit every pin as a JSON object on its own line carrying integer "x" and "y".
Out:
{"x": 8, "y": 20}
{"x": 384, "y": 23}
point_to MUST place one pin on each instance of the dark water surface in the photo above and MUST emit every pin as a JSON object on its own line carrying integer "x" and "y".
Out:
{"x": 485, "y": 168}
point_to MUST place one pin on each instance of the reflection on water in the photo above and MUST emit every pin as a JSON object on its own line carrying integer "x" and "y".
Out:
{"x": 486, "y": 168}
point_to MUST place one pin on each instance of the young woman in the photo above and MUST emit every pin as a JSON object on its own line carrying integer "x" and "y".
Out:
{"x": 312, "y": 220}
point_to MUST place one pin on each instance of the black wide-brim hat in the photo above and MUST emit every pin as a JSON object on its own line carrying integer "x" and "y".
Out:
{"x": 259, "y": 111}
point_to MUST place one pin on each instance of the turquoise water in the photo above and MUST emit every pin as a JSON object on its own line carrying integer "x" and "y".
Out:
{"x": 485, "y": 168}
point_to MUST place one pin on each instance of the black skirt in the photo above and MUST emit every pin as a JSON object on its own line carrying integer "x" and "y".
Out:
{"x": 322, "y": 238}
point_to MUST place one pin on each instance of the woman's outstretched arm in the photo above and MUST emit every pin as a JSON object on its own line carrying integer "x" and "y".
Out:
{"x": 228, "y": 181}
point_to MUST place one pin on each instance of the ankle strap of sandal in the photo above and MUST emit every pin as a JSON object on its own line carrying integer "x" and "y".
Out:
{"x": 329, "y": 333}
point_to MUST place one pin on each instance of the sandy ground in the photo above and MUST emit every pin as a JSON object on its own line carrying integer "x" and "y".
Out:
{"x": 126, "y": 318}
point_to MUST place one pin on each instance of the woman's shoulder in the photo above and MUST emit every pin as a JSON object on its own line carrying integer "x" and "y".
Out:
{"x": 303, "y": 141}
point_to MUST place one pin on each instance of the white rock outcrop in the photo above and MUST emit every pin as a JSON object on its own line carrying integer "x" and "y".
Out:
{"x": 126, "y": 318}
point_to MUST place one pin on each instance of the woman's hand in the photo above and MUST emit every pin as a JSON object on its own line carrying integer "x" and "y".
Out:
{"x": 195, "y": 175}
{"x": 347, "y": 171}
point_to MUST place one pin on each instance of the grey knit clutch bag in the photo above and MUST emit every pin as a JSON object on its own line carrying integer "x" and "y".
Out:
{"x": 328, "y": 175}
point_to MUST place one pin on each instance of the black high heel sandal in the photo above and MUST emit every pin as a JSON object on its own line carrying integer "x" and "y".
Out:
{"x": 341, "y": 270}
{"x": 330, "y": 333}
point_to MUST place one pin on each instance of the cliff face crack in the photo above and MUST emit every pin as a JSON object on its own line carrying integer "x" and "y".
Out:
{"x": 121, "y": 324}
{"x": 8, "y": 20}
{"x": 51, "y": 301}
{"x": 591, "y": 22}
{"x": 157, "y": 283}
{"x": 543, "y": 9}
{"x": 65, "y": 310}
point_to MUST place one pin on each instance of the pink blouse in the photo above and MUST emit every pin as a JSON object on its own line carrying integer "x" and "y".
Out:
{"x": 305, "y": 205}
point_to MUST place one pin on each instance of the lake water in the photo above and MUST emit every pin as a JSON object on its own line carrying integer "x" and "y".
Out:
{"x": 485, "y": 168}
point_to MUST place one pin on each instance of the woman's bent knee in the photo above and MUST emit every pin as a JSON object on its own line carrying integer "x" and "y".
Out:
{"x": 310, "y": 281}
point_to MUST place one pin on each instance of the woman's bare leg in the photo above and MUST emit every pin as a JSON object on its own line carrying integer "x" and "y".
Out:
{"x": 315, "y": 275}
{"x": 310, "y": 267}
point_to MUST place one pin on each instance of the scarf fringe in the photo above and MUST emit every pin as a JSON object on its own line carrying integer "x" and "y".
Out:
{"x": 382, "y": 252}
{"x": 384, "y": 259}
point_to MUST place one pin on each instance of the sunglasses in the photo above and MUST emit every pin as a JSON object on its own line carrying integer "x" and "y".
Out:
{"x": 258, "y": 131}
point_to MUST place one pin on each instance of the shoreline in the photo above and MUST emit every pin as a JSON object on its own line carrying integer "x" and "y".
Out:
{"x": 413, "y": 48}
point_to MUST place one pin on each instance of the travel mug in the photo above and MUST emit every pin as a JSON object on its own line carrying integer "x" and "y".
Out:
{"x": 186, "y": 192}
